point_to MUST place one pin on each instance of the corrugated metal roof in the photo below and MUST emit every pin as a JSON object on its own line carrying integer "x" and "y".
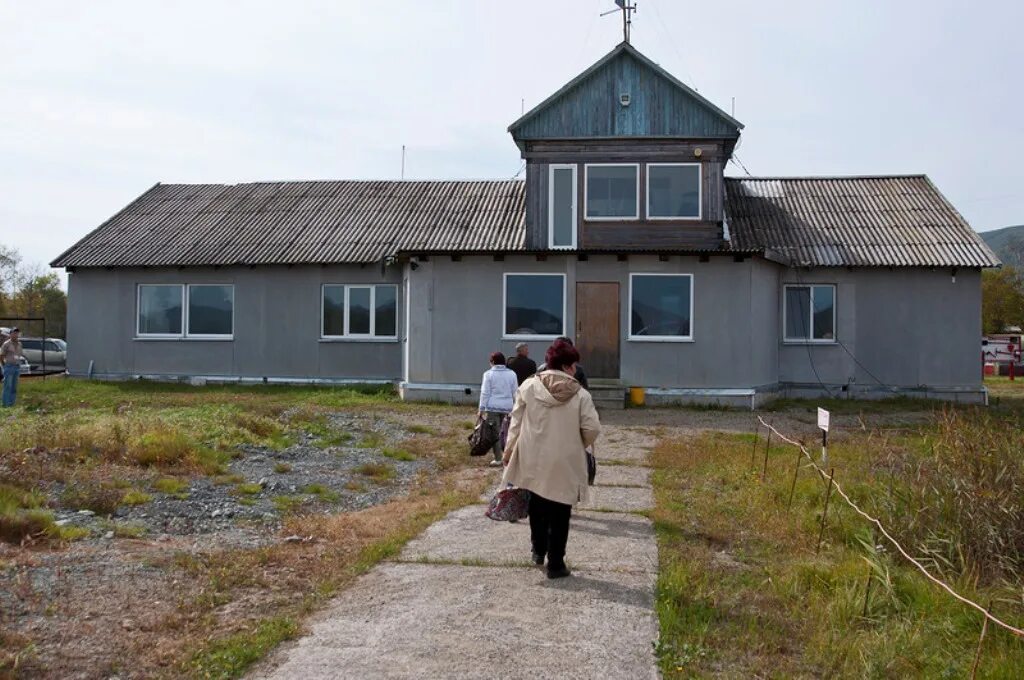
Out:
{"x": 892, "y": 221}
{"x": 822, "y": 221}
{"x": 303, "y": 222}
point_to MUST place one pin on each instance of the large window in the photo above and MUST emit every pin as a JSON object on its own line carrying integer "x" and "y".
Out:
{"x": 534, "y": 305}
{"x": 809, "y": 313}
{"x": 562, "y": 207}
{"x": 160, "y": 310}
{"x": 612, "y": 191}
{"x": 661, "y": 307}
{"x": 201, "y": 311}
{"x": 360, "y": 311}
{"x": 211, "y": 310}
{"x": 673, "y": 191}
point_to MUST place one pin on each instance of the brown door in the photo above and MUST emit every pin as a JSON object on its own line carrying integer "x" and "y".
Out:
{"x": 597, "y": 328}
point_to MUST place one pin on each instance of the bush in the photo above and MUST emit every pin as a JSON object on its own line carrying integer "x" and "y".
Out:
{"x": 17, "y": 525}
{"x": 101, "y": 499}
{"x": 163, "y": 446}
{"x": 261, "y": 426}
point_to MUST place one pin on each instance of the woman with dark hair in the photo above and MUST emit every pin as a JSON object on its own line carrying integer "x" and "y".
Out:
{"x": 497, "y": 392}
{"x": 553, "y": 421}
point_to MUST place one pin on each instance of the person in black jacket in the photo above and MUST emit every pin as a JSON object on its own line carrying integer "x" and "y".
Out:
{"x": 580, "y": 376}
{"x": 522, "y": 364}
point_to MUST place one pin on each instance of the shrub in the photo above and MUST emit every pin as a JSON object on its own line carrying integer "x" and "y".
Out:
{"x": 377, "y": 471}
{"x": 136, "y": 497}
{"x": 250, "y": 489}
{"x": 17, "y": 525}
{"x": 162, "y": 447}
{"x": 261, "y": 426}
{"x": 100, "y": 498}
{"x": 282, "y": 468}
{"x": 171, "y": 485}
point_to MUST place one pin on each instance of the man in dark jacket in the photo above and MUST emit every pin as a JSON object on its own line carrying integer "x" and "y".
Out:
{"x": 522, "y": 364}
{"x": 580, "y": 376}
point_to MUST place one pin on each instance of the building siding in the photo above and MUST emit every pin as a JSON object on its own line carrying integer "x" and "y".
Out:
{"x": 276, "y": 333}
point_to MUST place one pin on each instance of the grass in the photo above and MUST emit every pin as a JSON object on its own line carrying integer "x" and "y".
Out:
{"x": 282, "y": 468}
{"x": 231, "y": 656}
{"x": 135, "y": 497}
{"x": 379, "y": 472}
{"x": 172, "y": 486}
{"x": 103, "y": 499}
{"x": 288, "y": 504}
{"x": 322, "y": 493}
{"x": 741, "y": 589}
{"x": 247, "y": 489}
{"x": 420, "y": 429}
{"x": 397, "y": 454}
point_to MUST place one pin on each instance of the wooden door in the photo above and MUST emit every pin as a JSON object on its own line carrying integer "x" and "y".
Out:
{"x": 597, "y": 328}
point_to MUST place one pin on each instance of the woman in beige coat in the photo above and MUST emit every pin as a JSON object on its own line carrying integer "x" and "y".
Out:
{"x": 553, "y": 421}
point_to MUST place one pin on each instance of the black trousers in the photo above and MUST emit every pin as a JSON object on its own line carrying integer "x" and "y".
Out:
{"x": 549, "y": 529}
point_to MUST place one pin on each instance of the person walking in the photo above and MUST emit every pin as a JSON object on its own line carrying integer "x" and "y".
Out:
{"x": 553, "y": 421}
{"x": 522, "y": 364}
{"x": 10, "y": 356}
{"x": 580, "y": 376}
{"x": 497, "y": 394}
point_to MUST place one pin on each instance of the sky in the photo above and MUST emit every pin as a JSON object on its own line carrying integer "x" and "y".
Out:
{"x": 100, "y": 100}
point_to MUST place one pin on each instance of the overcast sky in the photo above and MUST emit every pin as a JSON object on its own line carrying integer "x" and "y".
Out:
{"x": 100, "y": 100}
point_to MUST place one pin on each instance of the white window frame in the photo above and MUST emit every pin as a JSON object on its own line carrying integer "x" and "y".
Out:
{"x": 810, "y": 339}
{"x": 366, "y": 337}
{"x": 659, "y": 338}
{"x": 551, "y": 204}
{"x": 504, "y": 306}
{"x": 138, "y": 312}
{"x": 700, "y": 193}
{"x": 188, "y": 317}
{"x": 586, "y": 189}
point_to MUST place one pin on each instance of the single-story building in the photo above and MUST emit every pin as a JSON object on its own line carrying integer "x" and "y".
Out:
{"x": 625, "y": 235}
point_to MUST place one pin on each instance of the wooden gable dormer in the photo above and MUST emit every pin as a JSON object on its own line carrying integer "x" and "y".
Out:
{"x": 625, "y": 122}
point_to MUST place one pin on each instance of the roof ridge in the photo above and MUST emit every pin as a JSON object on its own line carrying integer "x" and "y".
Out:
{"x": 826, "y": 177}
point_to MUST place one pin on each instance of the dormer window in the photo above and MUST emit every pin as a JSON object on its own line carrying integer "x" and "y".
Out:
{"x": 673, "y": 191}
{"x": 612, "y": 191}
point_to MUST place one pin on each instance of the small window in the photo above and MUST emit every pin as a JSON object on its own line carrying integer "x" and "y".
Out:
{"x": 211, "y": 310}
{"x": 810, "y": 313}
{"x": 160, "y": 310}
{"x": 534, "y": 305}
{"x": 673, "y": 191}
{"x": 354, "y": 311}
{"x": 661, "y": 307}
{"x": 612, "y": 192}
{"x": 562, "y": 207}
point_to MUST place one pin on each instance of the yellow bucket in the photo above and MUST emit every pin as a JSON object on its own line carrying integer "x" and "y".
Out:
{"x": 636, "y": 396}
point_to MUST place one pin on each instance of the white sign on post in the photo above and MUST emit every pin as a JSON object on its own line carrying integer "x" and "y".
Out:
{"x": 823, "y": 416}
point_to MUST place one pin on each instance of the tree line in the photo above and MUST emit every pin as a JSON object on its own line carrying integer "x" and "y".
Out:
{"x": 29, "y": 290}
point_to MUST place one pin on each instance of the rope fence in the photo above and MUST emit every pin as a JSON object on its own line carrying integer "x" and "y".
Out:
{"x": 834, "y": 485}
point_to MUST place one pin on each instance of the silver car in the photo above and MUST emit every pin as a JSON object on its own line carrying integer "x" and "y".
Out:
{"x": 56, "y": 351}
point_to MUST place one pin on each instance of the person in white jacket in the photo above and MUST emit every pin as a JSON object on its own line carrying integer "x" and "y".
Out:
{"x": 497, "y": 394}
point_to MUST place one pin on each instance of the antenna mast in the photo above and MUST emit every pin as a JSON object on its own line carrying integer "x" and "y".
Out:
{"x": 627, "y": 16}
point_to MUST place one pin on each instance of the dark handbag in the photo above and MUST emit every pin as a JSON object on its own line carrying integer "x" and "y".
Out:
{"x": 482, "y": 439}
{"x": 509, "y": 505}
{"x": 591, "y": 467}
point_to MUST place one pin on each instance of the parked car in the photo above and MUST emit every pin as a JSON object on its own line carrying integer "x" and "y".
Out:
{"x": 56, "y": 351}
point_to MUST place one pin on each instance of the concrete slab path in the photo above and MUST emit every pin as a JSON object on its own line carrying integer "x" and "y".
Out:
{"x": 463, "y": 599}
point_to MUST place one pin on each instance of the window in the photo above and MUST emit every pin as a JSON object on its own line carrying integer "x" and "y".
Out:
{"x": 809, "y": 313}
{"x": 534, "y": 305}
{"x": 32, "y": 344}
{"x": 200, "y": 311}
{"x": 673, "y": 191}
{"x": 160, "y": 310}
{"x": 211, "y": 310}
{"x": 612, "y": 191}
{"x": 360, "y": 311}
{"x": 661, "y": 307}
{"x": 562, "y": 206}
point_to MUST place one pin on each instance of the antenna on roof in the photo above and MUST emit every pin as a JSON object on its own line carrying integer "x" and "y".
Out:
{"x": 627, "y": 16}
{"x": 403, "y": 161}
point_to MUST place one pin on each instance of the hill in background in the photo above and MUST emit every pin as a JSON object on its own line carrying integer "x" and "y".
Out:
{"x": 1008, "y": 244}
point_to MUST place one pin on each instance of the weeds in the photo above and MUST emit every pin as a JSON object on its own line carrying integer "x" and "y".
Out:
{"x": 100, "y": 498}
{"x": 322, "y": 493}
{"x": 136, "y": 497}
{"x": 397, "y": 454}
{"x": 379, "y": 472}
{"x": 172, "y": 486}
{"x": 229, "y": 657}
{"x": 282, "y": 468}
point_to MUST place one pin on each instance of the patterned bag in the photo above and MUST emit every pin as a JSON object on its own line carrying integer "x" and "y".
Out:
{"x": 482, "y": 439}
{"x": 509, "y": 505}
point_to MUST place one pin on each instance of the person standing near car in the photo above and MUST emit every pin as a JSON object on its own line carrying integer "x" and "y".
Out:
{"x": 522, "y": 364}
{"x": 497, "y": 392}
{"x": 10, "y": 355}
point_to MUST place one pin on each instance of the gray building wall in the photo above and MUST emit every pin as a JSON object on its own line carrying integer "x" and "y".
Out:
{"x": 909, "y": 328}
{"x": 276, "y": 326}
{"x": 457, "y": 319}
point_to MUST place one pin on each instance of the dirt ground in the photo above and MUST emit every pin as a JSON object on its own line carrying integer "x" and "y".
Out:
{"x": 114, "y": 606}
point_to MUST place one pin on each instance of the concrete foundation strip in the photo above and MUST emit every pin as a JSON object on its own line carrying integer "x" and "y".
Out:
{"x": 920, "y": 567}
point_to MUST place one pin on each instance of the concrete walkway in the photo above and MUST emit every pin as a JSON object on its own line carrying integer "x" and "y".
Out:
{"x": 464, "y": 600}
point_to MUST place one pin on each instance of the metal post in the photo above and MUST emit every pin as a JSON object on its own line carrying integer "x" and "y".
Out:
{"x": 867, "y": 593}
{"x": 792, "y": 487}
{"x": 44, "y": 348}
{"x": 824, "y": 513}
{"x": 767, "y": 446}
